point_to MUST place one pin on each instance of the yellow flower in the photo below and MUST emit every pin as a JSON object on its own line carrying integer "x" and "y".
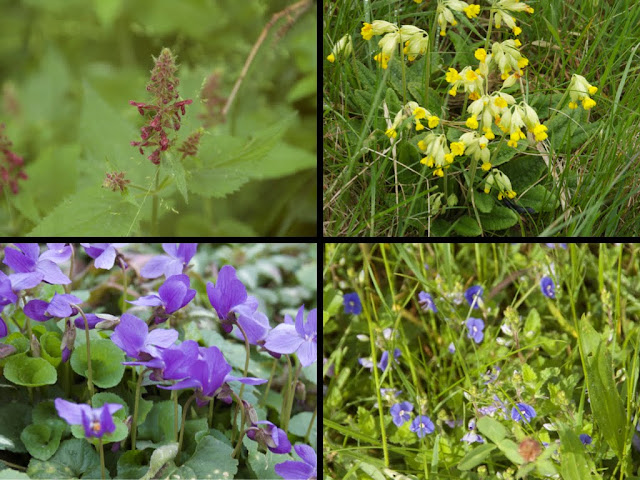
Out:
{"x": 419, "y": 113}
{"x": 453, "y": 92}
{"x": 523, "y": 62}
{"x": 367, "y": 31}
{"x": 382, "y": 59}
{"x": 453, "y": 75}
{"x": 472, "y": 11}
{"x": 481, "y": 54}
{"x": 573, "y": 105}
{"x": 539, "y": 131}
{"x": 517, "y": 43}
{"x": 428, "y": 161}
{"x": 418, "y": 1}
{"x": 488, "y": 133}
{"x": 422, "y": 145}
{"x": 391, "y": 133}
{"x": 457, "y": 148}
{"x": 433, "y": 121}
{"x": 592, "y": 90}
{"x": 487, "y": 189}
{"x": 474, "y": 96}
{"x": 500, "y": 102}
{"x": 438, "y": 172}
{"x": 419, "y": 126}
{"x": 331, "y": 57}
{"x": 516, "y": 31}
{"x": 448, "y": 157}
{"x": 471, "y": 76}
{"x": 588, "y": 103}
{"x": 486, "y": 166}
{"x": 472, "y": 122}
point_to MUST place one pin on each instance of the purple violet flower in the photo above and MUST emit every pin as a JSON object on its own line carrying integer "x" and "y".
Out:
{"x": 133, "y": 337}
{"x": 272, "y": 437}
{"x": 547, "y": 286}
{"x": 522, "y": 411}
{"x": 301, "y": 338}
{"x": 422, "y": 425}
{"x": 61, "y": 306}
{"x": 471, "y": 436}
{"x": 473, "y": 295}
{"x": 352, "y": 303}
{"x": 426, "y": 302}
{"x": 553, "y": 245}
{"x": 92, "y": 320}
{"x": 172, "y": 295}
{"x": 208, "y": 374}
{"x": 96, "y": 421}
{"x": 57, "y": 253}
{"x": 7, "y": 295}
{"x": 174, "y": 263}
{"x": 229, "y": 298}
{"x": 475, "y": 326}
{"x": 31, "y": 268}
{"x": 299, "y": 470}
{"x": 3, "y": 328}
{"x": 104, "y": 253}
{"x": 400, "y": 413}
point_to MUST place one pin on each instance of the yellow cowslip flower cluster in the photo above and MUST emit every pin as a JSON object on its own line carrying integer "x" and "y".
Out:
{"x": 515, "y": 118}
{"x": 475, "y": 145}
{"x": 436, "y": 153}
{"x": 579, "y": 90}
{"x": 503, "y": 9}
{"x": 508, "y": 58}
{"x": 445, "y": 15}
{"x": 416, "y": 113}
{"x": 343, "y": 47}
{"x": 488, "y": 109}
{"x": 469, "y": 79}
{"x": 414, "y": 39}
{"x": 500, "y": 181}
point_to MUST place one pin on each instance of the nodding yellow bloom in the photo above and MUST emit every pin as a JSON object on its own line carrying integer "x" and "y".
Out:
{"x": 418, "y": 1}
{"x": 457, "y": 148}
{"x": 579, "y": 90}
{"x": 588, "y": 103}
{"x": 500, "y": 102}
{"x": 433, "y": 121}
{"x": 419, "y": 113}
{"x": 499, "y": 180}
{"x": 474, "y": 96}
{"x": 516, "y": 30}
{"x": 453, "y": 76}
{"x": 422, "y": 145}
{"x": 428, "y": 161}
{"x": 481, "y": 54}
{"x": 471, "y": 76}
{"x": 523, "y": 62}
{"x": 486, "y": 166}
{"x": 378, "y": 27}
{"x": 539, "y": 131}
{"x": 331, "y": 57}
{"x": 419, "y": 126}
{"x": 342, "y": 48}
{"x": 472, "y": 122}
{"x": 391, "y": 133}
{"x": 573, "y": 105}
{"x": 449, "y": 157}
{"x": 438, "y": 172}
{"x": 383, "y": 60}
{"x": 472, "y": 11}
{"x": 488, "y": 133}
{"x": 367, "y": 31}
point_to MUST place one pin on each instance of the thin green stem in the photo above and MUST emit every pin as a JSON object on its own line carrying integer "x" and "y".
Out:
{"x": 124, "y": 289}
{"x": 134, "y": 420}
{"x": 239, "y": 444}
{"x": 263, "y": 399}
{"x": 291, "y": 397}
{"x": 67, "y": 287}
{"x": 174, "y": 394}
{"x": 246, "y": 369}
{"x": 101, "y": 457}
{"x": 287, "y": 390}
{"x": 211, "y": 412}
{"x": 154, "y": 209}
{"x": 86, "y": 333}
{"x": 313, "y": 418}
{"x": 184, "y": 418}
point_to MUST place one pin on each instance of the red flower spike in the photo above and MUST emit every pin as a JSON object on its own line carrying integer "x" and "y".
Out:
{"x": 11, "y": 170}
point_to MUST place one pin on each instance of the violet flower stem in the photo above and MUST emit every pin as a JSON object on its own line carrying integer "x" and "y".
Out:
{"x": 239, "y": 444}
{"x": 67, "y": 287}
{"x": 244, "y": 373}
{"x": 291, "y": 397}
{"x": 184, "y": 418}
{"x": 174, "y": 394}
{"x": 124, "y": 289}
{"x": 86, "y": 333}
{"x": 134, "y": 420}
{"x": 287, "y": 392}
{"x": 313, "y": 418}
{"x": 211, "y": 413}
{"x": 263, "y": 399}
{"x": 154, "y": 210}
{"x": 101, "y": 457}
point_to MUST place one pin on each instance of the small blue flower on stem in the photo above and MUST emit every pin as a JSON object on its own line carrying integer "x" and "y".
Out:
{"x": 426, "y": 302}
{"x": 352, "y": 303}
{"x": 172, "y": 295}
{"x": 585, "y": 439}
{"x": 174, "y": 263}
{"x": 422, "y": 425}
{"x": 547, "y": 286}
{"x": 96, "y": 421}
{"x": 306, "y": 469}
{"x": 32, "y": 268}
{"x": 553, "y": 245}
{"x": 473, "y": 296}
{"x": 471, "y": 436}
{"x": 400, "y": 413}
{"x": 384, "y": 360}
{"x": 452, "y": 348}
{"x": 104, "y": 254}
{"x": 475, "y": 326}
{"x": 522, "y": 411}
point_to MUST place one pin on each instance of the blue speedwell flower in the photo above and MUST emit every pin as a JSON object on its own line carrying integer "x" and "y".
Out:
{"x": 475, "y": 326}
{"x": 585, "y": 439}
{"x": 352, "y": 303}
{"x": 401, "y": 413}
{"x": 384, "y": 360}
{"x": 547, "y": 286}
{"x": 473, "y": 295}
{"x": 422, "y": 425}
{"x": 426, "y": 302}
{"x": 522, "y": 411}
{"x": 452, "y": 348}
{"x": 96, "y": 421}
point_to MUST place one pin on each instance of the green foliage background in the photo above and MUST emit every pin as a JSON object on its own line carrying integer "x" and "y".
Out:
{"x": 68, "y": 70}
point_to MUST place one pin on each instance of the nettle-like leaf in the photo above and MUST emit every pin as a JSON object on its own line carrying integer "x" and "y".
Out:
{"x": 106, "y": 365}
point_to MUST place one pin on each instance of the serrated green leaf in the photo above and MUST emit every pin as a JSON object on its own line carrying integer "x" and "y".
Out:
{"x": 160, "y": 457}
{"x": 467, "y": 227}
{"x": 476, "y": 456}
{"x": 106, "y": 365}
{"x": 393, "y": 102}
{"x": 158, "y": 426}
{"x": 174, "y": 168}
{"x": 365, "y": 76}
{"x": 29, "y": 371}
{"x": 506, "y": 153}
{"x": 500, "y": 218}
{"x": 92, "y": 211}
{"x": 132, "y": 464}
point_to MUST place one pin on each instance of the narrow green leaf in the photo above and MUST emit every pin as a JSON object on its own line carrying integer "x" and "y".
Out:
{"x": 476, "y": 456}
{"x": 573, "y": 465}
{"x": 492, "y": 429}
{"x": 510, "y": 449}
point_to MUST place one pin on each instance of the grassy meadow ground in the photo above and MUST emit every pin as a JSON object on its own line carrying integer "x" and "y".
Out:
{"x": 580, "y": 181}
{"x": 481, "y": 361}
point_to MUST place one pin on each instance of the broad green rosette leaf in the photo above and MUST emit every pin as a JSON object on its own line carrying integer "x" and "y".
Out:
{"x": 106, "y": 364}
{"x": 29, "y": 371}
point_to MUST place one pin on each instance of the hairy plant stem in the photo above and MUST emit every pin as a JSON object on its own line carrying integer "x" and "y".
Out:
{"x": 263, "y": 399}
{"x": 313, "y": 418}
{"x": 184, "y": 418}
{"x": 284, "y": 420}
{"x": 239, "y": 444}
{"x": 86, "y": 333}
{"x": 101, "y": 457}
{"x": 134, "y": 420}
{"x": 244, "y": 374}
